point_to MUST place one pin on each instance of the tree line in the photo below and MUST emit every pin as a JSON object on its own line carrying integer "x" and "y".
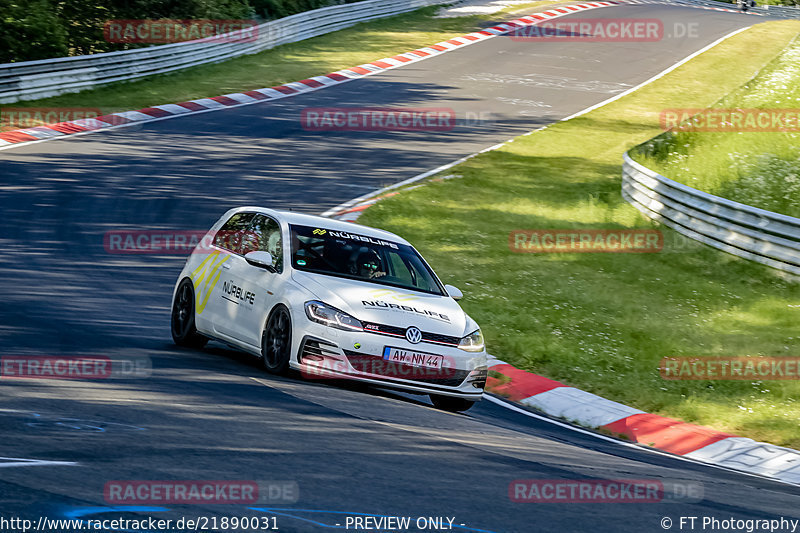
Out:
{"x": 42, "y": 29}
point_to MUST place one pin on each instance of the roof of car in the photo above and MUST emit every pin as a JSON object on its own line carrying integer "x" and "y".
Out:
{"x": 293, "y": 217}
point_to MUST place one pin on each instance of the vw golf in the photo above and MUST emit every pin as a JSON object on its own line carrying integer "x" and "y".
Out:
{"x": 331, "y": 299}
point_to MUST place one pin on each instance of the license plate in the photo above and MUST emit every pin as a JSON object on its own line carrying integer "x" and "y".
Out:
{"x": 410, "y": 357}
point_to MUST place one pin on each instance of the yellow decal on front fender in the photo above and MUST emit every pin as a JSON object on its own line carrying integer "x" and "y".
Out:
{"x": 205, "y": 278}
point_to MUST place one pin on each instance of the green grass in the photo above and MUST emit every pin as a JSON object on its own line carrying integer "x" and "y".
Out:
{"x": 756, "y": 168}
{"x": 359, "y": 44}
{"x": 603, "y": 322}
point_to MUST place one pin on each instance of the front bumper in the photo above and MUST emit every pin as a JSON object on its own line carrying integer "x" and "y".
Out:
{"x": 331, "y": 354}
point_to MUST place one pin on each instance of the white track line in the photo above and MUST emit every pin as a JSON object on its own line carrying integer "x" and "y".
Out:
{"x": 32, "y": 462}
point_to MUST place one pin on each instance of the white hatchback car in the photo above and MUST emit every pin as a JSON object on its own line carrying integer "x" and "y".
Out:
{"x": 331, "y": 299}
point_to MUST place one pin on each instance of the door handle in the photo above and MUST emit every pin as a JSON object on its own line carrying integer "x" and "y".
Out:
{"x": 226, "y": 266}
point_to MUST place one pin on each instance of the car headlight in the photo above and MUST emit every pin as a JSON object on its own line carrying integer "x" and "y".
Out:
{"x": 472, "y": 342}
{"x": 330, "y": 316}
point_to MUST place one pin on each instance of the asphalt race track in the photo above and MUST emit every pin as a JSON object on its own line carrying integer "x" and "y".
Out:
{"x": 213, "y": 414}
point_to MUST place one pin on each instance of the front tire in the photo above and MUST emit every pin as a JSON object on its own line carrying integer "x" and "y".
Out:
{"x": 449, "y": 403}
{"x": 184, "y": 332}
{"x": 276, "y": 342}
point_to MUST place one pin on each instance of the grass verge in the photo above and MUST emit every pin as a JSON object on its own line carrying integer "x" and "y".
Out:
{"x": 760, "y": 168}
{"x": 602, "y": 322}
{"x": 359, "y": 44}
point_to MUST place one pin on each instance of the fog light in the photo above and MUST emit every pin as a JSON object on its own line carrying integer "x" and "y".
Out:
{"x": 478, "y": 377}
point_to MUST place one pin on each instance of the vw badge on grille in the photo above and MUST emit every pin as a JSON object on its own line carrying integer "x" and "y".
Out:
{"x": 413, "y": 335}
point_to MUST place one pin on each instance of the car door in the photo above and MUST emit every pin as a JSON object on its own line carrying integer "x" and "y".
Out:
{"x": 213, "y": 279}
{"x": 251, "y": 290}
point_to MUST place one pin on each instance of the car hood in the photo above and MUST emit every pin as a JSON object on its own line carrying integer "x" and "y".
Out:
{"x": 382, "y": 304}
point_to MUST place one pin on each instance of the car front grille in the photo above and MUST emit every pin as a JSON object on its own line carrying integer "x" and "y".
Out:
{"x": 394, "y": 331}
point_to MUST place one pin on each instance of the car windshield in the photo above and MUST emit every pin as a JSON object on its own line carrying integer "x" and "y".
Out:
{"x": 350, "y": 255}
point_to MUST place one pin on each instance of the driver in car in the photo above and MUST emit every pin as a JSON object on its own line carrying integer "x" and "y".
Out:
{"x": 370, "y": 265}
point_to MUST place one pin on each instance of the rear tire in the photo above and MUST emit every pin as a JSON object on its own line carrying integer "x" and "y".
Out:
{"x": 449, "y": 403}
{"x": 184, "y": 332}
{"x": 276, "y": 342}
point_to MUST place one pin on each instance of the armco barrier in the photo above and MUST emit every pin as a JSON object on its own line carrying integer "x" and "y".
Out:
{"x": 31, "y": 80}
{"x": 769, "y": 238}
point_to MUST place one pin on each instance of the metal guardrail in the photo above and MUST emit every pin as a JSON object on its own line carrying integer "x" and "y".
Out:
{"x": 31, "y": 80}
{"x": 749, "y": 232}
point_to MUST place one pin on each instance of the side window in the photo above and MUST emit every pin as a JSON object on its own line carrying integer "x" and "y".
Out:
{"x": 264, "y": 234}
{"x": 229, "y": 236}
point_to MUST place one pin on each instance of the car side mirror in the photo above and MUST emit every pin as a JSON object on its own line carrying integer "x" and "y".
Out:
{"x": 260, "y": 259}
{"x": 454, "y": 293}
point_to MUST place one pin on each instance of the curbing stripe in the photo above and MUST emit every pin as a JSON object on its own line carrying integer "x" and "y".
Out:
{"x": 741, "y": 453}
{"x": 155, "y": 112}
{"x": 191, "y": 106}
{"x": 135, "y": 116}
{"x": 520, "y": 384}
{"x": 297, "y": 86}
{"x": 285, "y": 89}
{"x": 581, "y": 407}
{"x": 311, "y": 83}
{"x": 256, "y": 95}
{"x": 173, "y": 109}
{"x": 324, "y": 80}
{"x": 67, "y": 127}
{"x": 665, "y": 434}
{"x": 337, "y": 77}
{"x": 272, "y": 93}
{"x": 239, "y": 98}
{"x": 208, "y": 103}
{"x": 16, "y": 136}
{"x": 42, "y": 132}
{"x": 90, "y": 124}
{"x": 359, "y": 70}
